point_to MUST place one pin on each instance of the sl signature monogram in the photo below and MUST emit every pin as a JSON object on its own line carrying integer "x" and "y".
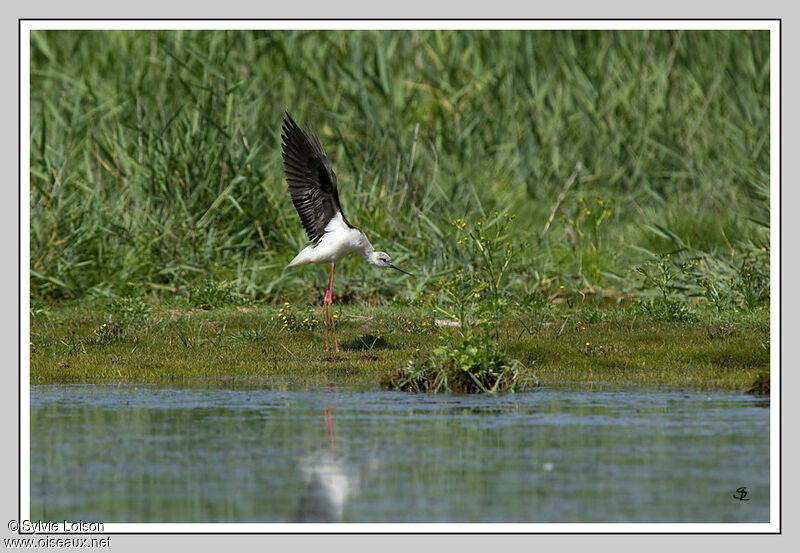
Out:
{"x": 742, "y": 493}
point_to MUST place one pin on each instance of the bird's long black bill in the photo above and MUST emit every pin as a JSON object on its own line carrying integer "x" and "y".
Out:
{"x": 401, "y": 270}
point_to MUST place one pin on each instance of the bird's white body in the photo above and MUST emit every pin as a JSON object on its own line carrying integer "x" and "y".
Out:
{"x": 328, "y": 485}
{"x": 338, "y": 241}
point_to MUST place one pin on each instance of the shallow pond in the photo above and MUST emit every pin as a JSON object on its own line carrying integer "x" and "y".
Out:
{"x": 274, "y": 453}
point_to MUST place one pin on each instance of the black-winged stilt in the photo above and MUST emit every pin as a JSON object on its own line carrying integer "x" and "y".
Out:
{"x": 312, "y": 184}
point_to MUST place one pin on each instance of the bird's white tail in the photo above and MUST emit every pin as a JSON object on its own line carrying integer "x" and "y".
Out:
{"x": 302, "y": 258}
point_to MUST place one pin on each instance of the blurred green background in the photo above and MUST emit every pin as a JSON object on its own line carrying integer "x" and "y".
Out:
{"x": 155, "y": 156}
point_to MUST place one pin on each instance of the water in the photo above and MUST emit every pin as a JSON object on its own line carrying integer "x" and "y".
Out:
{"x": 143, "y": 453}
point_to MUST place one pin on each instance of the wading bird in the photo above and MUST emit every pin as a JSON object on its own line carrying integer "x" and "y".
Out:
{"x": 312, "y": 184}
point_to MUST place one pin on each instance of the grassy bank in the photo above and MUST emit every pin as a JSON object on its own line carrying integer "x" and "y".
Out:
{"x": 583, "y": 345}
{"x": 595, "y": 204}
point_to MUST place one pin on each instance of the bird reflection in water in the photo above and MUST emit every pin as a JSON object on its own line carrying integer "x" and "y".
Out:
{"x": 329, "y": 481}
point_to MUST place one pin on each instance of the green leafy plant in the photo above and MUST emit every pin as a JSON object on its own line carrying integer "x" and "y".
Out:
{"x": 476, "y": 295}
{"x": 667, "y": 276}
{"x": 587, "y": 217}
{"x": 473, "y": 364}
{"x": 717, "y": 294}
{"x": 473, "y": 298}
{"x": 752, "y": 284}
{"x": 213, "y": 294}
{"x": 129, "y": 309}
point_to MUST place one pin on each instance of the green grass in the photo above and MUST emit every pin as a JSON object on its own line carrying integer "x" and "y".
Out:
{"x": 155, "y": 156}
{"x": 633, "y": 166}
{"x": 554, "y": 346}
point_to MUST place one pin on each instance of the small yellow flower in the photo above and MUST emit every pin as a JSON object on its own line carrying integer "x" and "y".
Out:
{"x": 286, "y": 304}
{"x": 95, "y": 331}
{"x": 305, "y": 320}
{"x": 588, "y": 212}
{"x": 32, "y": 344}
{"x": 424, "y": 323}
{"x": 272, "y": 318}
{"x": 130, "y": 283}
{"x": 335, "y": 316}
{"x": 409, "y": 322}
{"x": 414, "y": 350}
{"x": 587, "y": 343}
{"x": 104, "y": 325}
{"x": 561, "y": 287}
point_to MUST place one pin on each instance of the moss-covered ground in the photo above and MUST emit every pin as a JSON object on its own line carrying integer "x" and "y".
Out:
{"x": 589, "y": 346}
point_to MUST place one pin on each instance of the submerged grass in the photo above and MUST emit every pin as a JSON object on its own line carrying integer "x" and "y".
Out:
{"x": 559, "y": 346}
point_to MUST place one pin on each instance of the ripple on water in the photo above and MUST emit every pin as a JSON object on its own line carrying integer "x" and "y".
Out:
{"x": 264, "y": 453}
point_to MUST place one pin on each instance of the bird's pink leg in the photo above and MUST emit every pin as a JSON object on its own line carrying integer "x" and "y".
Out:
{"x": 327, "y": 344}
{"x": 329, "y": 424}
{"x": 329, "y": 309}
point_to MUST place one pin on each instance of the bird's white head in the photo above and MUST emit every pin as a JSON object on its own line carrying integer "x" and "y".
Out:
{"x": 382, "y": 259}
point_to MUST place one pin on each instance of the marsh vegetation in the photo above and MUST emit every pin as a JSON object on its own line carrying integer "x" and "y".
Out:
{"x": 585, "y": 206}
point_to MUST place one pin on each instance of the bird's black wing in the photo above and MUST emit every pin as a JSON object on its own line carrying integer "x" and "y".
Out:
{"x": 312, "y": 182}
